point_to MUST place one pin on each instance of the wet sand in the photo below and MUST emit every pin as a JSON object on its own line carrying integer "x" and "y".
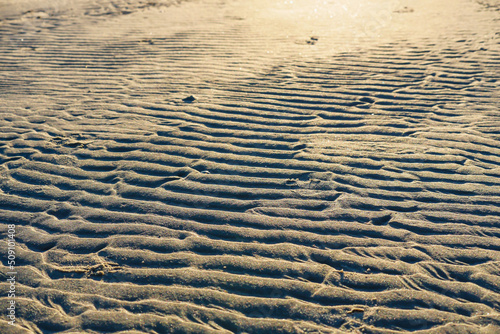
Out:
{"x": 336, "y": 169}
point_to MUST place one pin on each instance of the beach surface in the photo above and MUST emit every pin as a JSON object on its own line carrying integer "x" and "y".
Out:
{"x": 231, "y": 166}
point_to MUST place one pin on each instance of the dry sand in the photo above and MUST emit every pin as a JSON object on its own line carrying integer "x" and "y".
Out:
{"x": 337, "y": 172}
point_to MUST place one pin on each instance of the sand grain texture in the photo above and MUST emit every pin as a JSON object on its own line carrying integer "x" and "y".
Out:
{"x": 251, "y": 167}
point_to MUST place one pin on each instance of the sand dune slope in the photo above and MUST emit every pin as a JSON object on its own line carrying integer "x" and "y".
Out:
{"x": 336, "y": 171}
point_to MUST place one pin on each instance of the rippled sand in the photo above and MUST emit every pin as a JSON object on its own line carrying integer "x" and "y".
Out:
{"x": 335, "y": 171}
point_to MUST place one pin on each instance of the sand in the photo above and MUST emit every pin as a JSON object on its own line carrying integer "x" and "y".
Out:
{"x": 250, "y": 166}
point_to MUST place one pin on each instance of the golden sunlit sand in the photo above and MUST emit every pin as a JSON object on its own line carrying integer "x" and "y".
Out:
{"x": 249, "y": 166}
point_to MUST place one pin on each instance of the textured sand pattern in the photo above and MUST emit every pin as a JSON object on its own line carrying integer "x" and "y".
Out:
{"x": 338, "y": 170}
